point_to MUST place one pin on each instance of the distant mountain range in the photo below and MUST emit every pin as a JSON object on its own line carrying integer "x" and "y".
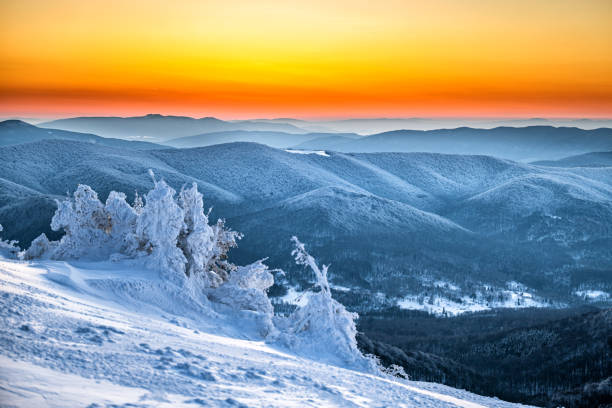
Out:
{"x": 368, "y": 126}
{"x": 492, "y": 230}
{"x": 14, "y": 132}
{"x": 272, "y": 139}
{"x": 156, "y": 128}
{"x": 521, "y": 144}
{"x": 162, "y": 127}
{"x": 525, "y": 144}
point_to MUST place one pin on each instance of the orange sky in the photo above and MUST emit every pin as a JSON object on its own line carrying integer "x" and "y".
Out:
{"x": 316, "y": 58}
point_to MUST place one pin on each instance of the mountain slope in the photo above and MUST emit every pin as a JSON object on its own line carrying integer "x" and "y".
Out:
{"x": 327, "y": 142}
{"x": 14, "y": 132}
{"x": 391, "y": 223}
{"x": 543, "y": 357}
{"x": 98, "y": 334}
{"x": 597, "y": 159}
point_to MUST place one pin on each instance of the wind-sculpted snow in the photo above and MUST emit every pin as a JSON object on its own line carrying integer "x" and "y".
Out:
{"x": 111, "y": 334}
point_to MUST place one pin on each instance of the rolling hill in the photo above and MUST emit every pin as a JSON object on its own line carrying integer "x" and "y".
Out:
{"x": 388, "y": 222}
{"x": 272, "y": 139}
{"x": 14, "y": 132}
{"x": 158, "y": 128}
{"x": 521, "y": 144}
{"x": 596, "y": 159}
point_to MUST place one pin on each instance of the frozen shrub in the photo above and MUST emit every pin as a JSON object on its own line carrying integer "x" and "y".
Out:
{"x": 394, "y": 370}
{"x": 41, "y": 247}
{"x": 246, "y": 289}
{"x": 224, "y": 240}
{"x": 172, "y": 234}
{"x": 86, "y": 224}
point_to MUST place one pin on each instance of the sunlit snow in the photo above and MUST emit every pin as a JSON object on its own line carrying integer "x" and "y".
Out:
{"x": 318, "y": 152}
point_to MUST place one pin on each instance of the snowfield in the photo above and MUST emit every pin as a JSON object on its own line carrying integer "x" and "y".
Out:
{"x": 113, "y": 334}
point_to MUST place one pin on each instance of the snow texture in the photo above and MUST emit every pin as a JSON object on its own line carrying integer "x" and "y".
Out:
{"x": 102, "y": 334}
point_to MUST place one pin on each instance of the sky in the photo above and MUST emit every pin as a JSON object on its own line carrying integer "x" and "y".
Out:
{"x": 306, "y": 59}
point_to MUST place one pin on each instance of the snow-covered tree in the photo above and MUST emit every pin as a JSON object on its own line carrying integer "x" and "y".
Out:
{"x": 85, "y": 222}
{"x": 323, "y": 325}
{"x": 138, "y": 203}
{"x": 197, "y": 239}
{"x": 123, "y": 218}
{"x": 246, "y": 288}
{"x": 8, "y": 249}
{"x": 158, "y": 229}
{"x": 41, "y": 247}
{"x": 224, "y": 240}
{"x": 170, "y": 235}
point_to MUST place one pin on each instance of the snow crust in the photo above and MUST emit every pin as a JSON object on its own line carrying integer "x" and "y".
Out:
{"x": 96, "y": 334}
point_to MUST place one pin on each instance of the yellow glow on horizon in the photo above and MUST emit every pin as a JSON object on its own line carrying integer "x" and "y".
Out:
{"x": 306, "y": 58}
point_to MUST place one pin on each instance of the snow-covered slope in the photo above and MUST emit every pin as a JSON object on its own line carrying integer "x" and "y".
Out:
{"x": 103, "y": 334}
